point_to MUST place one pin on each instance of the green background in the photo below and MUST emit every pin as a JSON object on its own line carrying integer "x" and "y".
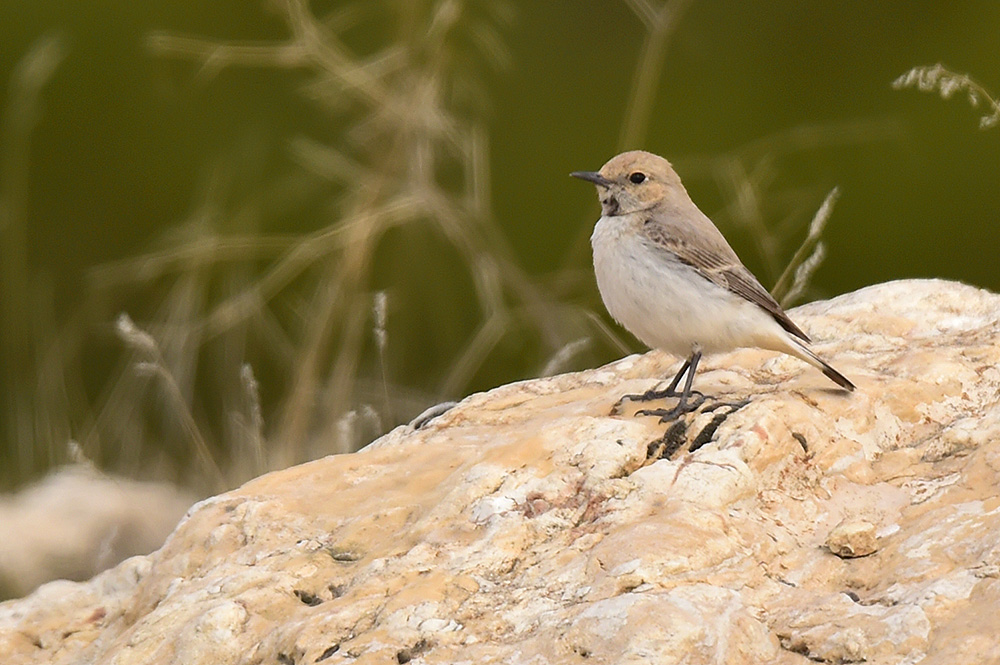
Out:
{"x": 129, "y": 147}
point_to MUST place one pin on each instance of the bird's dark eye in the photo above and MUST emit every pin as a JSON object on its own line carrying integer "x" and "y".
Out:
{"x": 636, "y": 177}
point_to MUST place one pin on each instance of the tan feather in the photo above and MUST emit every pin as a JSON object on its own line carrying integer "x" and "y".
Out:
{"x": 718, "y": 263}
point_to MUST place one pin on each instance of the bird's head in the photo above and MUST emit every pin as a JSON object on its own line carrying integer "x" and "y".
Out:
{"x": 634, "y": 181}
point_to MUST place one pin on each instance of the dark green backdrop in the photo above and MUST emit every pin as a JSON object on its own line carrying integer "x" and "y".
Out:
{"x": 128, "y": 145}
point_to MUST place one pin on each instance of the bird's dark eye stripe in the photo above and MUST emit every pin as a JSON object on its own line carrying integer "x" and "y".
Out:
{"x": 637, "y": 177}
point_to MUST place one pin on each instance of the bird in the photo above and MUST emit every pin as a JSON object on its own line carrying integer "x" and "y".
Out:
{"x": 667, "y": 274}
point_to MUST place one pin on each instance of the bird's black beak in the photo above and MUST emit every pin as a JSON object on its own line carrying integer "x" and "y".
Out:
{"x": 592, "y": 176}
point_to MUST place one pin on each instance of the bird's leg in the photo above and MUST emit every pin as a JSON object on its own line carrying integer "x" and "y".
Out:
{"x": 685, "y": 404}
{"x": 670, "y": 391}
{"x": 652, "y": 394}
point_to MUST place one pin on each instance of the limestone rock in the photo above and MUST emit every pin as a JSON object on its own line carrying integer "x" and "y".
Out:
{"x": 527, "y": 525}
{"x": 76, "y": 522}
{"x": 853, "y": 538}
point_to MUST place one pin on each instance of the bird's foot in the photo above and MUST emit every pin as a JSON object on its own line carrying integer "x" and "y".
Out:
{"x": 652, "y": 395}
{"x": 693, "y": 402}
{"x": 696, "y": 402}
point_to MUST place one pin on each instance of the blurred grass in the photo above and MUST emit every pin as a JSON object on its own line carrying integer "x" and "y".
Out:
{"x": 404, "y": 183}
{"x": 233, "y": 346}
{"x": 947, "y": 83}
{"x": 34, "y": 405}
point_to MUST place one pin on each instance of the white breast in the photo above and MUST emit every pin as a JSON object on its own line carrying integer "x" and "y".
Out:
{"x": 666, "y": 303}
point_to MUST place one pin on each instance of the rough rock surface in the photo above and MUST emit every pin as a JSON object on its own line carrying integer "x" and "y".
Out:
{"x": 527, "y": 525}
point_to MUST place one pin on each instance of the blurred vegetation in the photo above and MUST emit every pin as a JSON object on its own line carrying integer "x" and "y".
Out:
{"x": 236, "y": 237}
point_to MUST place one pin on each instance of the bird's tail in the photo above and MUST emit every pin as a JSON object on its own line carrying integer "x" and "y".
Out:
{"x": 805, "y": 353}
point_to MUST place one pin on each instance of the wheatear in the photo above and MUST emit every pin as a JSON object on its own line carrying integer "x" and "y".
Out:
{"x": 667, "y": 274}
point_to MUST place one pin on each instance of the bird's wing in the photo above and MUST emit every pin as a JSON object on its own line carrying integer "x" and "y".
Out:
{"x": 715, "y": 260}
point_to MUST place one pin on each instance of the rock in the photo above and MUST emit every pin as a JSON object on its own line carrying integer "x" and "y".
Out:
{"x": 852, "y": 538}
{"x": 526, "y": 525}
{"x": 76, "y": 522}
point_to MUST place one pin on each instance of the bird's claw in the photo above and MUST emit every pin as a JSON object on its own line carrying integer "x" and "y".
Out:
{"x": 652, "y": 396}
{"x": 693, "y": 403}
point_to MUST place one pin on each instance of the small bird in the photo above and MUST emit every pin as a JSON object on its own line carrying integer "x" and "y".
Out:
{"x": 667, "y": 274}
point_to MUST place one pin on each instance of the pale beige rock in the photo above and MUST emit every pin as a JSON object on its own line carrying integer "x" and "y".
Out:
{"x": 526, "y": 525}
{"x": 76, "y": 522}
{"x": 852, "y": 538}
